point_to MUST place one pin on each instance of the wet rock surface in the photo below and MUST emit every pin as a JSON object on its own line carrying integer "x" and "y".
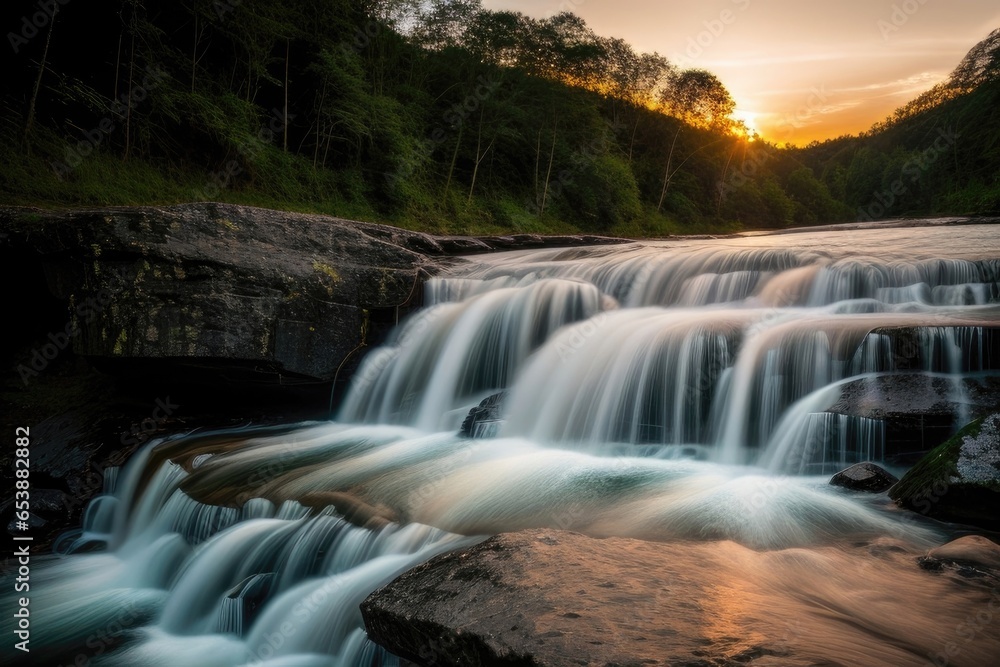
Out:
{"x": 901, "y": 395}
{"x": 83, "y": 424}
{"x": 919, "y": 411}
{"x": 252, "y": 293}
{"x": 501, "y": 603}
{"x": 864, "y": 477}
{"x": 232, "y": 314}
{"x": 550, "y": 597}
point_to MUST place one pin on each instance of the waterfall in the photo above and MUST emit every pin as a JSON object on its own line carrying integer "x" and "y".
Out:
{"x": 455, "y": 353}
{"x": 665, "y": 390}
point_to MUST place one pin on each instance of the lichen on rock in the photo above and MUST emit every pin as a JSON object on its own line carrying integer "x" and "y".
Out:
{"x": 960, "y": 479}
{"x": 979, "y": 455}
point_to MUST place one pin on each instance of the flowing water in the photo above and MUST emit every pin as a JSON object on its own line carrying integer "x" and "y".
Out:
{"x": 673, "y": 390}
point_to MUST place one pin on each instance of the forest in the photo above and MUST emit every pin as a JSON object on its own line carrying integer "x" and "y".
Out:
{"x": 443, "y": 116}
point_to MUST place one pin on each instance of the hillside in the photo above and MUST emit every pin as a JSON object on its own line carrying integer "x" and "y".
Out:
{"x": 440, "y": 116}
{"x": 939, "y": 154}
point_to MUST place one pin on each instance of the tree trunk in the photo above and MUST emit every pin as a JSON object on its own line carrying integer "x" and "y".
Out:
{"x": 479, "y": 157}
{"x": 666, "y": 172}
{"x": 128, "y": 111}
{"x": 631, "y": 142}
{"x": 722, "y": 190}
{"x": 38, "y": 83}
{"x": 284, "y": 142}
{"x": 118, "y": 63}
{"x": 548, "y": 172}
{"x": 451, "y": 167}
{"x": 326, "y": 151}
{"x": 538, "y": 159}
{"x": 319, "y": 124}
{"x": 194, "y": 51}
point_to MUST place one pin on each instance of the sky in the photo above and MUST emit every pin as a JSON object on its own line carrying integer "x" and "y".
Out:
{"x": 799, "y": 70}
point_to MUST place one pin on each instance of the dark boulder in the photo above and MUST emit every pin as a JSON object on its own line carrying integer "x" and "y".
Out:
{"x": 960, "y": 479}
{"x": 484, "y": 419}
{"x": 244, "y": 601}
{"x": 901, "y": 395}
{"x": 864, "y": 477}
{"x": 918, "y": 411}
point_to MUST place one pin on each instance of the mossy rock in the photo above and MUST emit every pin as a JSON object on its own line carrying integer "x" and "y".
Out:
{"x": 960, "y": 479}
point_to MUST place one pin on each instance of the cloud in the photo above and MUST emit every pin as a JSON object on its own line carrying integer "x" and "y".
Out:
{"x": 758, "y": 61}
{"x": 922, "y": 80}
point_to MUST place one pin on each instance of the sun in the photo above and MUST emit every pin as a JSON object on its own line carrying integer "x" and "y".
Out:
{"x": 747, "y": 120}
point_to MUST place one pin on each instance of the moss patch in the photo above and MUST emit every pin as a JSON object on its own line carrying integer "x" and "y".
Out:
{"x": 327, "y": 270}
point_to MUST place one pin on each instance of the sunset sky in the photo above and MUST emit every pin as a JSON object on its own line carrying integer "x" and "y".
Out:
{"x": 798, "y": 69}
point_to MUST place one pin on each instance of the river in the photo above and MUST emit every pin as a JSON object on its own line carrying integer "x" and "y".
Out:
{"x": 665, "y": 390}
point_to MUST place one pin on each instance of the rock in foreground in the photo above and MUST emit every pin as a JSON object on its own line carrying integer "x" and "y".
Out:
{"x": 960, "y": 479}
{"x": 973, "y": 550}
{"x": 864, "y": 477}
{"x": 554, "y": 598}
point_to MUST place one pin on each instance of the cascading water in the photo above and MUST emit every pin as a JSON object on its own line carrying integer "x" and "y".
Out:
{"x": 658, "y": 391}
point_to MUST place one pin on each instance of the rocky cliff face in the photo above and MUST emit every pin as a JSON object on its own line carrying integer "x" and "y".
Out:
{"x": 249, "y": 293}
{"x": 281, "y": 296}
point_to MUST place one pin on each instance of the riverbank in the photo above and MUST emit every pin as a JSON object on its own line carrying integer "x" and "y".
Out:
{"x": 104, "y": 181}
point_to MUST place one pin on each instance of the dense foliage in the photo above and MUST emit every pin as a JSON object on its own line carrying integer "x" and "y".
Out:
{"x": 440, "y": 115}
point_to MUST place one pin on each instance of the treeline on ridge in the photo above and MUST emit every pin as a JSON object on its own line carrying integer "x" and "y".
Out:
{"x": 447, "y": 117}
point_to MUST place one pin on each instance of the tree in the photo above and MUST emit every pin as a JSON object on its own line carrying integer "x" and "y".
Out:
{"x": 38, "y": 81}
{"x": 699, "y": 98}
{"x": 564, "y": 47}
{"x": 813, "y": 202}
{"x": 980, "y": 65}
{"x": 344, "y": 110}
{"x": 443, "y": 23}
{"x": 499, "y": 37}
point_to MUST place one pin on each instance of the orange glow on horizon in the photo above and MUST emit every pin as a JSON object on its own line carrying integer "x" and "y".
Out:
{"x": 799, "y": 72}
